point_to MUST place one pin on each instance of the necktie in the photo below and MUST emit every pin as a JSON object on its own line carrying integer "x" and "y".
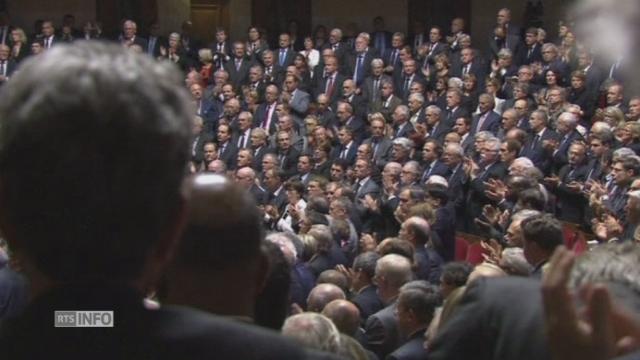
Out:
{"x": 357, "y": 187}
{"x": 329, "y": 90}
{"x": 358, "y": 72}
{"x": 46, "y": 43}
{"x": 481, "y": 121}
{"x": 375, "y": 148}
{"x": 283, "y": 53}
{"x": 238, "y": 64}
{"x": 407, "y": 81}
{"x": 466, "y": 69}
{"x": 221, "y": 47}
{"x": 343, "y": 155}
{"x": 394, "y": 57}
{"x": 221, "y": 150}
{"x": 534, "y": 143}
{"x": 529, "y": 52}
{"x": 241, "y": 142}
{"x": 376, "y": 88}
{"x": 282, "y": 158}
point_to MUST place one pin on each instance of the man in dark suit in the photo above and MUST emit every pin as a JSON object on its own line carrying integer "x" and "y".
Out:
{"x": 487, "y": 119}
{"x": 227, "y": 150}
{"x": 205, "y": 108}
{"x": 502, "y": 40}
{"x": 347, "y": 150}
{"x": 568, "y": 185}
{"x": 431, "y": 163}
{"x": 221, "y": 48}
{"x": 364, "y": 292}
{"x": 358, "y": 65}
{"x": 273, "y": 73}
{"x": 567, "y": 135}
{"x": 245, "y": 177}
{"x": 418, "y": 35}
{"x": 415, "y": 103}
{"x": 531, "y": 52}
{"x": 503, "y": 19}
{"x": 391, "y": 56}
{"x": 49, "y": 37}
{"x": 551, "y": 60}
{"x": 455, "y": 109}
{"x": 452, "y": 156}
{"x": 364, "y": 184}
{"x": 381, "y": 328}
{"x": 331, "y": 83}
{"x": 403, "y": 80}
{"x": 135, "y": 240}
{"x": 535, "y": 149}
{"x": 284, "y": 54}
{"x": 470, "y": 64}
{"x": 347, "y": 118}
{"x": 238, "y": 66}
{"x": 335, "y": 43}
{"x": 416, "y": 307}
{"x": 257, "y": 82}
{"x": 434, "y": 47}
{"x": 435, "y": 127}
{"x": 266, "y": 116}
{"x": 200, "y": 137}
{"x": 7, "y": 66}
{"x": 287, "y": 154}
{"x": 489, "y": 167}
{"x": 129, "y": 35}
{"x": 357, "y": 101}
{"x": 402, "y": 127}
{"x": 155, "y": 41}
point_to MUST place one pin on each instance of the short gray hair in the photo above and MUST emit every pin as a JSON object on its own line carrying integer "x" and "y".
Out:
{"x": 314, "y": 331}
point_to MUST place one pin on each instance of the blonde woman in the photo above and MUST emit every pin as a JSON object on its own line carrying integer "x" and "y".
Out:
{"x": 20, "y": 48}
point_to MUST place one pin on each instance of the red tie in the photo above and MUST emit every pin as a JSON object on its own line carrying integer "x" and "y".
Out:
{"x": 329, "y": 91}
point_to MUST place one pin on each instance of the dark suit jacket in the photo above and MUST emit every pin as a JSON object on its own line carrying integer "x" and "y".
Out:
{"x": 540, "y": 157}
{"x": 458, "y": 181}
{"x": 439, "y": 132}
{"x": 260, "y": 195}
{"x": 478, "y": 68}
{"x": 487, "y": 325}
{"x": 351, "y": 153}
{"x": 351, "y": 60}
{"x": 526, "y": 58}
{"x": 381, "y": 106}
{"x": 560, "y": 157}
{"x": 381, "y": 331}
{"x": 412, "y": 349}
{"x": 513, "y": 44}
{"x": 438, "y": 168}
{"x": 491, "y": 123}
{"x": 450, "y": 117}
{"x": 406, "y": 130}
{"x": 476, "y": 197}
{"x": 290, "y": 165}
{"x": 440, "y": 48}
{"x": 260, "y": 115}
{"x": 229, "y": 155}
{"x": 321, "y": 87}
{"x": 386, "y": 39}
{"x": 197, "y": 151}
{"x": 367, "y": 301}
{"x": 138, "y": 333}
{"x": 369, "y": 188}
{"x": 288, "y": 59}
{"x": 238, "y": 77}
{"x": 571, "y": 206}
{"x": 155, "y": 51}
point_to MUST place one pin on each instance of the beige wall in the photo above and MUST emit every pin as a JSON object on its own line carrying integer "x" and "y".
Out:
{"x": 361, "y": 12}
{"x": 24, "y": 12}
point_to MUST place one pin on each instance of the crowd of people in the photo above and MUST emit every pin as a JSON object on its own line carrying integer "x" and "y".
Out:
{"x": 336, "y": 183}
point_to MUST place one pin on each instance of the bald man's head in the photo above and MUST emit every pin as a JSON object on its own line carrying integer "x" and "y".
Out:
{"x": 344, "y": 314}
{"x": 323, "y": 294}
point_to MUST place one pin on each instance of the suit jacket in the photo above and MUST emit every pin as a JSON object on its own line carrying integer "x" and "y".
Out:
{"x": 405, "y": 131}
{"x": 367, "y": 88}
{"x": 513, "y": 44}
{"x": 238, "y": 77}
{"x": 138, "y": 333}
{"x": 321, "y": 87}
{"x": 458, "y": 181}
{"x": 413, "y": 349}
{"x": 289, "y": 162}
{"x": 275, "y": 76}
{"x": 278, "y": 200}
{"x": 526, "y": 57}
{"x": 260, "y": 115}
{"x": 436, "y": 168}
{"x": 367, "y": 301}
{"x": 260, "y": 195}
{"x": 429, "y": 58}
{"x": 368, "y": 188}
{"x": 381, "y": 150}
{"x": 388, "y": 57}
{"x": 351, "y": 61}
{"x": 439, "y": 131}
{"x": 351, "y": 153}
{"x": 386, "y": 107}
{"x": 299, "y": 105}
{"x": 197, "y": 151}
{"x": 210, "y": 114}
{"x": 258, "y": 154}
{"x": 357, "y": 127}
{"x": 385, "y": 39}
{"x": 381, "y": 331}
{"x": 570, "y": 205}
{"x": 540, "y": 157}
{"x": 477, "y": 198}
{"x": 359, "y": 105}
{"x": 154, "y": 44}
{"x": 229, "y": 154}
{"x": 491, "y": 123}
{"x": 288, "y": 58}
{"x": 560, "y": 157}
{"x": 478, "y": 68}
{"x": 486, "y": 325}
{"x": 450, "y": 117}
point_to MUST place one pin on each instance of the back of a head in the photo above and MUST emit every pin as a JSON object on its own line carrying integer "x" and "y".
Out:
{"x": 323, "y": 294}
{"x": 272, "y": 304}
{"x": 334, "y": 277}
{"x": 223, "y": 227}
{"x": 344, "y": 314}
{"x": 314, "y": 331}
{"x": 93, "y": 148}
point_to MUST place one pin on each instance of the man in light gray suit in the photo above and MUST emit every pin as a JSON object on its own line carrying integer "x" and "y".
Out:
{"x": 298, "y": 100}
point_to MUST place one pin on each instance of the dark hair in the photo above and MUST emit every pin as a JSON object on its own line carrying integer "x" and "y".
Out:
{"x": 532, "y": 199}
{"x": 456, "y": 273}
{"x": 399, "y": 247}
{"x": 94, "y": 207}
{"x": 439, "y": 192}
{"x": 421, "y": 301}
{"x": 544, "y": 230}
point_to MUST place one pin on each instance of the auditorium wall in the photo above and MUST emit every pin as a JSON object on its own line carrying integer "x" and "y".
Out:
{"x": 24, "y": 12}
{"x": 338, "y": 13}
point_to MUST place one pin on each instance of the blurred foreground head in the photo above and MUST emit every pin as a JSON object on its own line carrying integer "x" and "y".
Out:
{"x": 93, "y": 147}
